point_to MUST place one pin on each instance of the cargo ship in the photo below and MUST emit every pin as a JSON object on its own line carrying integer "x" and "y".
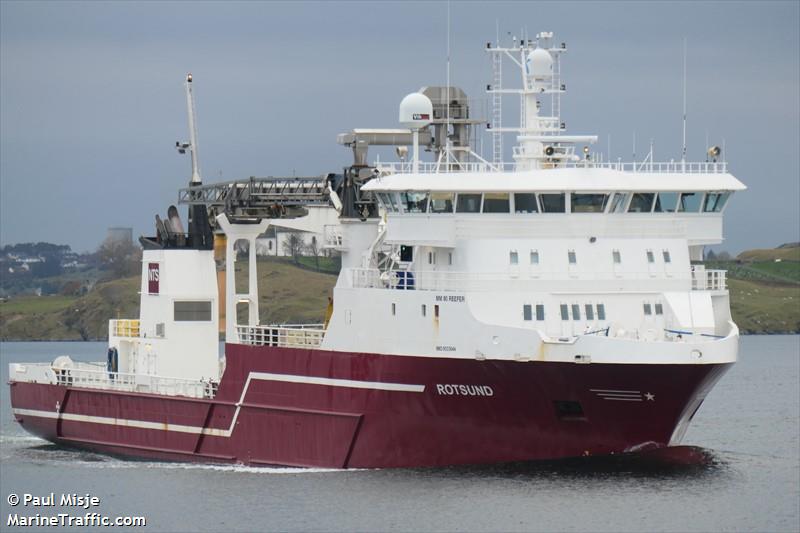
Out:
{"x": 486, "y": 311}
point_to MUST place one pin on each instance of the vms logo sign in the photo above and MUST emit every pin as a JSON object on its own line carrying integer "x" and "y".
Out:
{"x": 152, "y": 278}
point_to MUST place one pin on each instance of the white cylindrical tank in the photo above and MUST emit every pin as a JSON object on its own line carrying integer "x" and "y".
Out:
{"x": 416, "y": 111}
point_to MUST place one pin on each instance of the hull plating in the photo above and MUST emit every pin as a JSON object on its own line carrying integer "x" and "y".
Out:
{"x": 332, "y": 409}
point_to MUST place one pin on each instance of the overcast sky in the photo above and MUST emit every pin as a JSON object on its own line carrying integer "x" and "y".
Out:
{"x": 92, "y": 101}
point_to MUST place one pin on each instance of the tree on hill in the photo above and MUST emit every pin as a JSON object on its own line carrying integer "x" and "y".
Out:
{"x": 119, "y": 257}
{"x": 293, "y": 245}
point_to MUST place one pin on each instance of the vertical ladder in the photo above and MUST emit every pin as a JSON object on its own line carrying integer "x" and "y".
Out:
{"x": 555, "y": 102}
{"x": 497, "y": 109}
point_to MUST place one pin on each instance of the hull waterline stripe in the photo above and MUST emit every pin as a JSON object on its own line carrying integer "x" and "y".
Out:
{"x": 219, "y": 432}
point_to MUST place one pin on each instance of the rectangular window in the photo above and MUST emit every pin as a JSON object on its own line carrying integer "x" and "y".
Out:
{"x": 690, "y": 202}
{"x": 436, "y": 311}
{"x": 192, "y": 311}
{"x": 513, "y": 257}
{"x": 431, "y": 258}
{"x": 618, "y": 203}
{"x": 589, "y": 312}
{"x": 715, "y": 201}
{"x": 617, "y": 257}
{"x": 394, "y": 309}
{"x": 571, "y": 257}
{"x": 527, "y": 312}
{"x": 424, "y": 310}
{"x": 394, "y": 201}
{"x": 564, "y": 312}
{"x": 496, "y": 202}
{"x": 415, "y": 202}
{"x": 539, "y": 311}
{"x": 441, "y": 202}
{"x": 525, "y": 202}
{"x": 534, "y": 257}
{"x": 576, "y": 312}
{"x": 468, "y": 203}
{"x": 659, "y": 309}
{"x": 160, "y": 329}
{"x": 601, "y": 312}
{"x": 666, "y": 202}
{"x": 642, "y": 202}
{"x": 449, "y": 258}
{"x": 588, "y": 203}
{"x": 650, "y": 257}
{"x": 553, "y": 203}
{"x": 667, "y": 258}
{"x": 648, "y": 310}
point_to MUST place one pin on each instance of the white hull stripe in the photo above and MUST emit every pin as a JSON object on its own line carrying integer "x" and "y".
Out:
{"x": 259, "y": 376}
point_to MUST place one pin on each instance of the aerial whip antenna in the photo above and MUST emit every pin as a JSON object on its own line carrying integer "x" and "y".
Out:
{"x": 683, "y": 151}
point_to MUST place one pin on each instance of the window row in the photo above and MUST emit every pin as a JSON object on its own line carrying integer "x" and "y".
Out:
{"x": 572, "y": 257}
{"x": 590, "y": 311}
{"x": 503, "y": 202}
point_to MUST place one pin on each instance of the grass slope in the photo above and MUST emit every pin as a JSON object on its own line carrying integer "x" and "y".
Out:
{"x": 765, "y": 308}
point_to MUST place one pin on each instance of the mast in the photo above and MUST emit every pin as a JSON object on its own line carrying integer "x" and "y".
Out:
{"x": 192, "y": 132}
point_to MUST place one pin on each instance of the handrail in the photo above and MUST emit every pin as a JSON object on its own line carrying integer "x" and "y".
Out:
{"x": 645, "y": 167}
{"x": 123, "y": 381}
{"x": 284, "y": 336}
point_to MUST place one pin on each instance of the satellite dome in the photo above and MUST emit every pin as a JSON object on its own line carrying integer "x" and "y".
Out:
{"x": 416, "y": 111}
{"x": 540, "y": 64}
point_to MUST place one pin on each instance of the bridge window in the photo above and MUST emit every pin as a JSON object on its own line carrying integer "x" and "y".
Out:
{"x": 468, "y": 203}
{"x": 534, "y": 257}
{"x": 564, "y": 312}
{"x": 715, "y": 201}
{"x": 496, "y": 202}
{"x": 441, "y": 202}
{"x": 650, "y": 257}
{"x": 571, "y": 257}
{"x": 553, "y": 203}
{"x": 589, "y": 311}
{"x": 513, "y": 257}
{"x": 648, "y": 310}
{"x": 618, "y": 202}
{"x": 690, "y": 202}
{"x": 192, "y": 311}
{"x": 601, "y": 312}
{"x": 525, "y": 202}
{"x": 616, "y": 256}
{"x": 588, "y": 203}
{"x": 659, "y": 309}
{"x": 666, "y": 202}
{"x": 642, "y": 202}
{"x": 414, "y": 202}
{"x": 539, "y": 312}
{"x": 667, "y": 257}
{"x": 527, "y": 312}
{"x": 576, "y": 312}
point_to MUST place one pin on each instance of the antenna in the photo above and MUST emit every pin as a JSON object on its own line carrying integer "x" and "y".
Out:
{"x": 447, "y": 102}
{"x": 634, "y": 146}
{"x": 683, "y": 152}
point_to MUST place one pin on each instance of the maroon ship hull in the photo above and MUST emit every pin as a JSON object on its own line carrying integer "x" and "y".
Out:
{"x": 286, "y": 406}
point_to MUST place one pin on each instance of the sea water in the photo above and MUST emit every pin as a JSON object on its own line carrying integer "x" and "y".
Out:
{"x": 749, "y": 426}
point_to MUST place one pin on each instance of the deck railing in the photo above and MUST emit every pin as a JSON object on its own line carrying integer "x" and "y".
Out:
{"x": 125, "y": 328}
{"x": 285, "y": 336}
{"x": 709, "y": 280}
{"x": 94, "y": 376}
{"x": 369, "y": 278}
{"x": 666, "y": 167}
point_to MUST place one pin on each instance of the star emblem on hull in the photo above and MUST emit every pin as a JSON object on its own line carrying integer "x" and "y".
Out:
{"x": 650, "y": 397}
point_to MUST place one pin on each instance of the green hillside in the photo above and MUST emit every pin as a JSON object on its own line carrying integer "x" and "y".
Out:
{"x": 765, "y": 298}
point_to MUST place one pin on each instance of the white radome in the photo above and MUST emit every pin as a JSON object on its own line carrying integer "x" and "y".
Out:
{"x": 540, "y": 63}
{"x": 416, "y": 111}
